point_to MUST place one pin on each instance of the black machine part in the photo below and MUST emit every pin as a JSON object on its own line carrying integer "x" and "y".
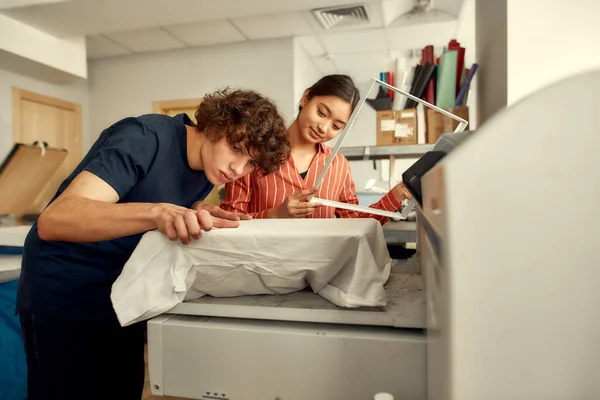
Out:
{"x": 412, "y": 176}
{"x": 445, "y": 144}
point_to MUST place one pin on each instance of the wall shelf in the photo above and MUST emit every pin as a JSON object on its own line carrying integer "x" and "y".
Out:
{"x": 385, "y": 152}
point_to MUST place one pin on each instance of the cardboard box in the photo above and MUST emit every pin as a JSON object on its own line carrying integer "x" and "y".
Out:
{"x": 397, "y": 127}
{"x": 25, "y": 172}
{"x": 438, "y": 124}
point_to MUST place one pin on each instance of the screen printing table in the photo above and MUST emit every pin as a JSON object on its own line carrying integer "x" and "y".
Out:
{"x": 296, "y": 346}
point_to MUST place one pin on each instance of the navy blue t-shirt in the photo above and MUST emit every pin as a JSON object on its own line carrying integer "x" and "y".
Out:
{"x": 145, "y": 160}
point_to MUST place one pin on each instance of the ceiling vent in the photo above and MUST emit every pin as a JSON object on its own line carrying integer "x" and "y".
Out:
{"x": 342, "y": 16}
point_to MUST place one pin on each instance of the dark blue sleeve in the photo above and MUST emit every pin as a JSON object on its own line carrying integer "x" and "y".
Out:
{"x": 125, "y": 156}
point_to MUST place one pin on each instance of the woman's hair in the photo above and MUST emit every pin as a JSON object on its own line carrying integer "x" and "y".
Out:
{"x": 248, "y": 118}
{"x": 340, "y": 86}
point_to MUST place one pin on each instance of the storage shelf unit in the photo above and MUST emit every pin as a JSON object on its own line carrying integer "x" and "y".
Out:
{"x": 384, "y": 152}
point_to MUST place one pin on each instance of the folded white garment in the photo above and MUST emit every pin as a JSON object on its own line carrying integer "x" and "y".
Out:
{"x": 344, "y": 260}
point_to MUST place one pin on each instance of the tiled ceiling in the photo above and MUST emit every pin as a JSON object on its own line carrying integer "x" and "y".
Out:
{"x": 207, "y": 33}
{"x": 348, "y": 52}
{"x": 99, "y": 46}
{"x": 273, "y": 26}
{"x": 146, "y": 40}
{"x": 121, "y": 27}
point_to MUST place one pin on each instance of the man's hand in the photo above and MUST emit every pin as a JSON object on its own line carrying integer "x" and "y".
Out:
{"x": 181, "y": 223}
{"x": 296, "y": 206}
{"x": 220, "y": 217}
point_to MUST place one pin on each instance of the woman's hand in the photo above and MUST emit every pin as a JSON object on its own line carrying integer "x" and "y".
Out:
{"x": 296, "y": 206}
{"x": 400, "y": 192}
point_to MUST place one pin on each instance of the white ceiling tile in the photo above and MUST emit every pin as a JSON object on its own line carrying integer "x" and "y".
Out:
{"x": 206, "y": 33}
{"x": 8, "y": 4}
{"x": 419, "y": 36}
{"x": 451, "y": 6}
{"x": 273, "y": 25}
{"x": 355, "y": 41}
{"x": 88, "y": 17}
{"x": 324, "y": 65}
{"x": 311, "y": 45}
{"x": 379, "y": 61}
{"x": 155, "y": 39}
{"x": 98, "y": 46}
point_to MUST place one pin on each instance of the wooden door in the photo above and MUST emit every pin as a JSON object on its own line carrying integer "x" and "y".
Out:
{"x": 187, "y": 106}
{"x": 57, "y": 122}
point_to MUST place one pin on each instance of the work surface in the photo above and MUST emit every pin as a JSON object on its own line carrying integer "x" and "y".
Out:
{"x": 405, "y": 308}
{"x": 10, "y": 267}
{"x": 13, "y": 235}
{"x": 400, "y": 231}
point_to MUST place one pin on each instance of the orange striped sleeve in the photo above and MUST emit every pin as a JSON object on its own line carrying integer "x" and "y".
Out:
{"x": 327, "y": 189}
{"x": 272, "y": 191}
{"x": 283, "y": 191}
{"x": 388, "y": 203}
{"x": 348, "y": 195}
{"x": 238, "y": 197}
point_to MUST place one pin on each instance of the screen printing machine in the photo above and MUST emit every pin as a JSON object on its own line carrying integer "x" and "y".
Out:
{"x": 505, "y": 307}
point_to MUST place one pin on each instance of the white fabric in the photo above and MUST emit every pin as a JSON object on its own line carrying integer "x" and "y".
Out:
{"x": 344, "y": 260}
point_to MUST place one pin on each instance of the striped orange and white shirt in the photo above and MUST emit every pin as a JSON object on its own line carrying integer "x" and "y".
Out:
{"x": 255, "y": 194}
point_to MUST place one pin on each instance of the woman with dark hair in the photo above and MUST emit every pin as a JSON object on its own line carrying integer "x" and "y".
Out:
{"x": 324, "y": 111}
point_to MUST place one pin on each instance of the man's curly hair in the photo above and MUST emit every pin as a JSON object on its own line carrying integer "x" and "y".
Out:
{"x": 250, "y": 119}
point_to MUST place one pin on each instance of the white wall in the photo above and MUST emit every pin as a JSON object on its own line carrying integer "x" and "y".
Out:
{"x": 76, "y": 93}
{"x": 549, "y": 40}
{"x": 67, "y": 55}
{"x": 491, "y": 53}
{"x": 126, "y": 86}
{"x": 467, "y": 36}
{"x": 522, "y": 46}
{"x": 306, "y": 73}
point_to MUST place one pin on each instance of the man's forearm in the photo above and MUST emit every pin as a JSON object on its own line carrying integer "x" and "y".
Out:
{"x": 77, "y": 219}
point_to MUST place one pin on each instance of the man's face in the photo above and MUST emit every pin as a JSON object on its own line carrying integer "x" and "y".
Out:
{"x": 223, "y": 162}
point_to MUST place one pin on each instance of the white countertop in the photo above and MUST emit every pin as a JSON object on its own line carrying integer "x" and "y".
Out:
{"x": 13, "y": 235}
{"x": 10, "y": 267}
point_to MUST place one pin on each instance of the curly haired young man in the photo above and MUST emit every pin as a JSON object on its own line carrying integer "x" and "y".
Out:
{"x": 141, "y": 174}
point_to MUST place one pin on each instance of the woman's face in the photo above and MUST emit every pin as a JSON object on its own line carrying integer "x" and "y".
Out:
{"x": 322, "y": 118}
